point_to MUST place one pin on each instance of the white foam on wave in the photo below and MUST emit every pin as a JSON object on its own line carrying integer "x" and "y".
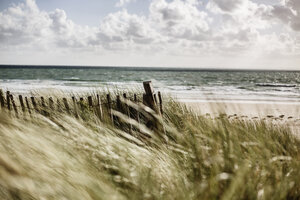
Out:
{"x": 28, "y": 86}
{"x": 182, "y": 93}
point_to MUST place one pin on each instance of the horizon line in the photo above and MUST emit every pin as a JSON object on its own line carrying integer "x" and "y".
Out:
{"x": 154, "y": 68}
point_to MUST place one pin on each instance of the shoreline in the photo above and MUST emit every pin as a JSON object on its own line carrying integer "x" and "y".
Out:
{"x": 277, "y": 114}
{"x": 250, "y": 109}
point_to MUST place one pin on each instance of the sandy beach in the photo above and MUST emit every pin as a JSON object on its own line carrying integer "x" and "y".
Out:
{"x": 277, "y": 113}
{"x": 255, "y": 109}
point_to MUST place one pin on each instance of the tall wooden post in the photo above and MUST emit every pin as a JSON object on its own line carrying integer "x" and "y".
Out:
{"x": 43, "y": 102}
{"x": 2, "y": 99}
{"x": 65, "y": 101}
{"x": 119, "y": 106}
{"x": 109, "y": 108}
{"x": 22, "y": 103}
{"x": 34, "y": 104}
{"x": 149, "y": 100}
{"x": 81, "y": 103}
{"x": 58, "y": 105}
{"x": 148, "y": 97}
{"x": 90, "y": 101}
{"x": 160, "y": 103}
{"x": 135, "y": 98}
{"x": 75, "y": 107}
{"x": 51, "y": 103}
{"x": 27, "y": 104}
{"x": 43, "y": 108}
{"x": 99, "y": 108}
{"x": 14, "y": 104}
{"x": 8, "y": 100}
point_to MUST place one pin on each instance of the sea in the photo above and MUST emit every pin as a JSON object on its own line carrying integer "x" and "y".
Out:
{"x": 184, "y": 84}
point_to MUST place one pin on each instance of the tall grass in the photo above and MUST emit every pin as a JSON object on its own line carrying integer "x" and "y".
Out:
{"x": 190, "y": 157}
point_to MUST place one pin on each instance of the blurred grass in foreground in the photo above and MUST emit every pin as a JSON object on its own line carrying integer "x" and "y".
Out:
{"x": 192, "y": 157}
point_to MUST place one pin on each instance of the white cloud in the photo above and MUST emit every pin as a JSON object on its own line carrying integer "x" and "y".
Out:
{"x": 179, "y": 19}
{"x": 288, "y": 12}
{"x": 124, "y": 31}
{"x": 25, "y": 24}
{"x": 226, "y": 6}
{"x": 182, "y": 28}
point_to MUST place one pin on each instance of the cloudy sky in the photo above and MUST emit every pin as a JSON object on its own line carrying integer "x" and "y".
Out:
{"x": 263, "y": 34}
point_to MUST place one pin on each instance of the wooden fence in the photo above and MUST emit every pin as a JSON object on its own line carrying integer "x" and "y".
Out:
{"x": 104, "y": 108}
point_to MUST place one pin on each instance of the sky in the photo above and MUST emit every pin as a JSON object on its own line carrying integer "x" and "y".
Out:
{"x": 237, "y": 34}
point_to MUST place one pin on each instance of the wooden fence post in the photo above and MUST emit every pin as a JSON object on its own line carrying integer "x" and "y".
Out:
{"x": 90, "y": 101}
{"x": 58, "y": 105}
{"x": 160, "y": 103}
{"x": 148, "y": 98}
{"x": 75, "y": 107}
{"x": 27, "y": 104}
{"x": 81, "y": 101}
{"x": 1, "y": 99}
{"x": 155, "y": 99}
{"x": 14, "y": 105}
{"x": 22, "y": 103}
{"x": 51, "y": 103}
{"x": 34, "y": 104}
{"x": 99, "y": 107}
{"x": 119, "y": 106}
{"x": 135, "y": 98}
{"x": 43, "y": 109}
{"x": 43, "y": 102}
{"x": 109, "y": 108}
{"x": 8, "y": 100}
{"x": 65, "y": 101}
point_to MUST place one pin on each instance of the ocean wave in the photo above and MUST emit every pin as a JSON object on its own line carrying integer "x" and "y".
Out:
{"x": 73, "y": 78}
{"x": 275, "y": 85}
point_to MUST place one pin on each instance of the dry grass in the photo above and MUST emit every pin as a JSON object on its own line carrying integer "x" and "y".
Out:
{"x": 190, "y": 157}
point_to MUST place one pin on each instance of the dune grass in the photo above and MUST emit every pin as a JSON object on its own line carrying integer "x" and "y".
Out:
{"x": 190, "y": 157}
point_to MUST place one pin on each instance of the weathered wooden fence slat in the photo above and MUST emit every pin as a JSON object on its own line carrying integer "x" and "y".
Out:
{"x": 2, "y": 102}
{"x": 150, "y": 99}
{"x": 65, "y": 101}
{"x": 43, "y": 102}
{"x": 75, "y": 107}
{"x": 8, "y": 100}
{"x": 109, "y": 107}
{"x": 160, "y": 103}
{"x": 90, "y": 101}
{"x": 34, "y": 104}
{"x": 119, "y": 104}
{"x": 22, "y": 103}
{"x": 58, "y": 105}
{"x": 99, "y": 107}
{"x": 14, "y": 104}
{"x": 27, "y": 104}
{"x": 51, "y": 103}
{"x": 81, "y": 102}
